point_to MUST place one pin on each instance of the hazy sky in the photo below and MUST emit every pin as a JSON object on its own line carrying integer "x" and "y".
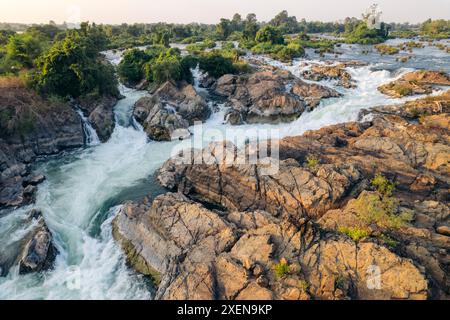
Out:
{"x": 210, "y": 11}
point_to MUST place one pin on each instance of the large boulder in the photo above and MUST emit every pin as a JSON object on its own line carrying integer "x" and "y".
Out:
{"x": 269, "y": 96}
{"x": 169, "y": 112}
{"x": 100, "y": 113}
{"x": 33, "y": 251}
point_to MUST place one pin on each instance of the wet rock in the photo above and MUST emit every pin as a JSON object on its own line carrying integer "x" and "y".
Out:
{"x": 39, "y": 253}
{"x": 160, "y": 122}
{"x": 33, "y": 251}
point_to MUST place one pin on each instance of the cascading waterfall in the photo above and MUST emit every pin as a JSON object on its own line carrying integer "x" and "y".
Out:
{"x": 90, "y": 134}
{"x": 80, "y": 196}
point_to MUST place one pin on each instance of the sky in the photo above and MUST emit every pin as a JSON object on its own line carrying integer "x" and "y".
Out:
{"x": 210, "y": 11}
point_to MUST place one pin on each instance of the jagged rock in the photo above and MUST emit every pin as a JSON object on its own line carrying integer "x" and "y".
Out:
{"x": 269, "y": 96}
{"x": 34, "y": 251}
{"x": 331, "y": 72}
{"x": 416, "y": 82}
{"x": 202, "y": 254}
{"x": 347, "y": 156}
{"x": 294, "y": 190}
{"x": 39, "y": 254}
{"x": 160, "y": 122}
{"x": 170, "y": 111}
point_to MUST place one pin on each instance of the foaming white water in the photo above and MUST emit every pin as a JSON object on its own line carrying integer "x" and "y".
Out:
{"x": 90, "y": 265}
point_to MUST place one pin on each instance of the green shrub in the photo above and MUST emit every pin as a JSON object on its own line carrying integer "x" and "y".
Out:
{"x": 215, "y": 64}
{"x": 381, "y": 211}
{"x": 385, "y": 49}
{"x": 270, "y": 35}
{"x": 312, "y": 162}
{"x": 383, "y": 185}
{"x": 282, "y": 269}
{"x": 354, "y": 233}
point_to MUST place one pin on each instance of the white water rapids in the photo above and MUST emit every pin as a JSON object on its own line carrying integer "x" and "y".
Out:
{"x": 77, "y": 199}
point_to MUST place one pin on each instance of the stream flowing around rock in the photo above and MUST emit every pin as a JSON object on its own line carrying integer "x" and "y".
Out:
{"x": 84, "y": 188}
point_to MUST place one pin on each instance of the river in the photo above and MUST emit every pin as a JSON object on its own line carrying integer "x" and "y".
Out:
{"x": 84, "y": 187}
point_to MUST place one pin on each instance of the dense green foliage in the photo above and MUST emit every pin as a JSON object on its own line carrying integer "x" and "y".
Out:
{"x": 437, "y": 29}
{"x": 363, "y": 35}
{"x": 59, "y": 62}
{"x": 73, "y": 67}
{"x": 157, "y": 64}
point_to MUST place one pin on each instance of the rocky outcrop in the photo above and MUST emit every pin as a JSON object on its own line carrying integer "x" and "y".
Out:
{"x": 413, "y": 83}
{"x": 326, "y": 176}
{"x": 320, "y": 72}
{"x": 31, "y": 126}
{"x": 170, "y": 111}
{"x": 34, "y": 252}
{"x": 100, "y": 113}
{"x": 269, "y": 96}
{"x": 195, "y": 253}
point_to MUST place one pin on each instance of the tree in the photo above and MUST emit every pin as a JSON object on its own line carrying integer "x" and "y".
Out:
{"x": 236, "y": 23}
{"x": 223, "y": 29}
{"x": 215, "y": 64}
{"x": 284, "y": 22}
{"x": 71, "y": 67}
{"x": 130, "y": 69}
{"x": 269, "y": 34}
{"x": 250, "y": 27}
{"x": 23, "y": 49}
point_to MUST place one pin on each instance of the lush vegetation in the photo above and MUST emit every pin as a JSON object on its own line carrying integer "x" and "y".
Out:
{"x": 386, "y": 49}
{"x": 66, "y": 63}
{"x": 157, "y": 64}
{"x": 437, "y": 29}
{"x": 361, "y": 34}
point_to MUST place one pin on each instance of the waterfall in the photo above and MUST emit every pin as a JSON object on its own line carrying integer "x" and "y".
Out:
{"x": 197, "y": 74}
{"x": 90, "y": 134}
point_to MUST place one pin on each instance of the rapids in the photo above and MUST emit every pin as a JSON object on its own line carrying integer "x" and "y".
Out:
{"x": 84, "y": 187}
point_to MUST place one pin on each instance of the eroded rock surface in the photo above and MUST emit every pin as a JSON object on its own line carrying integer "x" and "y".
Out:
{"x": 325, "y": 176}
{"x": 269, "y": 96}
{"x": 331, "y": 72}
{"x": 196, "y": 253}
{"x": 171, "y": 109}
